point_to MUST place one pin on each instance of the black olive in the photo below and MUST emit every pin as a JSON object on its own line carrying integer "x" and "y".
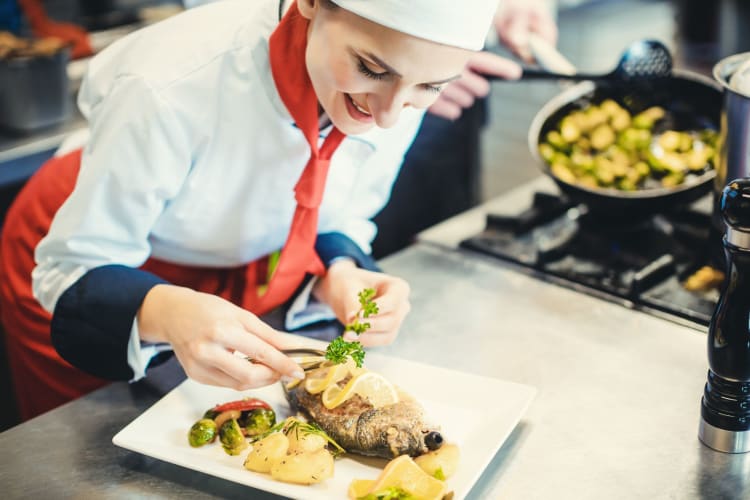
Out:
{"x": 433, "y": 440}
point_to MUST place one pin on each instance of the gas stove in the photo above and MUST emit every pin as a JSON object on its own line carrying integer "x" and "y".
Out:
{"x": 642, "y": 263}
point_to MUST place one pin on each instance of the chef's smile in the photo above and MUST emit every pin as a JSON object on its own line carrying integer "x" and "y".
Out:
{"x": 356, "y": 111}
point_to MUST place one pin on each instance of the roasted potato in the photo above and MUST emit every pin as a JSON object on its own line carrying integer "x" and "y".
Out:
{"x": 300, "y": 441}
{"x": 266, "y": 452}
{"x": 303, "y": 468}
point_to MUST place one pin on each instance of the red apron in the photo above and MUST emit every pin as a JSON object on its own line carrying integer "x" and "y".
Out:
{"x": 41, "y": 378}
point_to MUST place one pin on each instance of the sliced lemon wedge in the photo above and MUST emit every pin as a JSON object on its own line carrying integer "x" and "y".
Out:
{"x": 369, "y": 385}
{"x": 328, "y": 375}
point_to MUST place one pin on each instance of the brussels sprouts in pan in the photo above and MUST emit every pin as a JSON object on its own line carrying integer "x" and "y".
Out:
{"x": 603, "y": 146}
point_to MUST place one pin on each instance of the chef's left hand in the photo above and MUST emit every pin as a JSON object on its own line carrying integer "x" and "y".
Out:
{"x": 514, "y": 20}
{"x": 340, "y": 287}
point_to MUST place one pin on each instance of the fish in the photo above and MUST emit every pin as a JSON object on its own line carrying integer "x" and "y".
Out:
{"x": 387, "y": 431}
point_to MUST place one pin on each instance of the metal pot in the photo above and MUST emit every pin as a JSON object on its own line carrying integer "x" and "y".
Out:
{"x": 692, "y": 102}
{"x": 734, "y": 149}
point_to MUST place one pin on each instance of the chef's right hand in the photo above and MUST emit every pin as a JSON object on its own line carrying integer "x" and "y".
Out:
{"x": 204, "y": 331}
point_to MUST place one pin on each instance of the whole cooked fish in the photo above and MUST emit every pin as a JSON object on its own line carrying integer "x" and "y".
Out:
{"x": 387, "y": 431}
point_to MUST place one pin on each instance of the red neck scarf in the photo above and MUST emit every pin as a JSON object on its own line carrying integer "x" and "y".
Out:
{"x": 287, "y": 47}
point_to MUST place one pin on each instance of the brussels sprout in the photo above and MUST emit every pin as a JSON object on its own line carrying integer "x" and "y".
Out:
{"x": 258, "y": 421}
{"x": 563, "y": 173}
{"x": 670, "y": 140}
{"x": 231, "y": 437}
{"x": 646, "y": 119}
{"x": 202, "y": 432}
{"x": 672, "y": 179}
{"x": 674, "y": 162}
{"x": 569, "y": 130}
{"x": 642, "y": 168}
{"x": 596, "y": 117}
{"x": 620, "y": 120}
{"x": 546, "y": 151}
{"x": 698, "y": 158}
{"x": 557, "y": 141}
{"x": 211, "y": 413}
{"x": 602, "y": 137}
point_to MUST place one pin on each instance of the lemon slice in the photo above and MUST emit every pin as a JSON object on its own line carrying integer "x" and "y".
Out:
{"x": 369, "y": 385}
{"x": 321, "y": 379}
{"x": 402, "y": 472}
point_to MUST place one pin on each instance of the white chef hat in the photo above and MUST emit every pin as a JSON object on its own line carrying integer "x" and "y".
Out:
{"x": 461, "y": 23}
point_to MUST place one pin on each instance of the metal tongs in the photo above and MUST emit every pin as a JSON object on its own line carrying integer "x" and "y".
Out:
{"x": 308, "y": 359}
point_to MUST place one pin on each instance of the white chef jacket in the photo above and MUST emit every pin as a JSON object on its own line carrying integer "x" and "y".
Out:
{"x": 193, "y": 158}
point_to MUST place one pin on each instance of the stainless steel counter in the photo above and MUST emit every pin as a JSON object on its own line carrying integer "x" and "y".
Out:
{"x": 616, "y": 416}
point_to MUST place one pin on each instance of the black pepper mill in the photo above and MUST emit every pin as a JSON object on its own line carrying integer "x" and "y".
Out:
{"x": 725, "y": 407}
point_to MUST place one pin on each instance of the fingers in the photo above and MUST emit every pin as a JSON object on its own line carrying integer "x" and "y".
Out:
{"x": 257, "y": 341}
{"x": 492, "y": 64}
{"x": 248, "y": 375}
{"x": 214, "y": 365}
{"x": 543, "y": 25}
{"x": 445, "y": 108}
{"x": 514, "y": 33}
{"x": 463, "y": 92}
{"x": 516, "y": 22}
{"x": 459, "y": 95}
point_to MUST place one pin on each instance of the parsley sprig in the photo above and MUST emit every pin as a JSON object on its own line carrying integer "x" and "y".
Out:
{"x": 366, "y": 309}
{"x": 339, "y": 349}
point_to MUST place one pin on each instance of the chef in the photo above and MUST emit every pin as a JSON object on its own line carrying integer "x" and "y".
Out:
{"x": 234, "y": 152}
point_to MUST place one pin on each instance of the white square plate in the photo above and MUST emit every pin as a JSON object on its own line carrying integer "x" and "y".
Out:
{"x": 477, "y": 413}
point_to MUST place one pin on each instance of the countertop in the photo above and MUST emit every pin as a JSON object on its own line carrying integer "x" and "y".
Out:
{"x": 616, "y": 415}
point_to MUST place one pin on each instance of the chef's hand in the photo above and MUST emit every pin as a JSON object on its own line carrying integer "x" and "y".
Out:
{"x": 514, "y": 20}
{"x": 204, "y": 331}
{"x": 460, "y": 94}
{"x": 340, "y": 287}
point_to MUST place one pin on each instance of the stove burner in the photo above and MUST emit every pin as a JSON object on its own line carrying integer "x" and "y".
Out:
{"x": 642, "y": 262}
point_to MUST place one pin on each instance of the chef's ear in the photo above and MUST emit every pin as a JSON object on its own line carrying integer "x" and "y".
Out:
{"x": 308, "y": 7}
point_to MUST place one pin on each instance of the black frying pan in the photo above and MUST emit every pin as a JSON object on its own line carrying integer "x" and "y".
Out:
{"x": 691, "y": 101}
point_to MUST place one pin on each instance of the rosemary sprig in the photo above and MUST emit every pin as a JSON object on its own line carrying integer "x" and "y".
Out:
{"x": 295, "y": 425}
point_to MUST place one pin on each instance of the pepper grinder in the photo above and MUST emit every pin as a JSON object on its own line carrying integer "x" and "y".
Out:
{"x": 725, "y": 407}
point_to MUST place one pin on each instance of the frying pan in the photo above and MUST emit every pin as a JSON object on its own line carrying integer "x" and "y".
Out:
{"x": 691, "y": 101}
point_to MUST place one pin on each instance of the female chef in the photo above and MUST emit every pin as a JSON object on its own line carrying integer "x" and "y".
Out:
{"x": 218, "y": 138}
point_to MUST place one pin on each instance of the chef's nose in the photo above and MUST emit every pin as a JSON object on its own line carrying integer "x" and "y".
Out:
{"x": 387, "y": 107}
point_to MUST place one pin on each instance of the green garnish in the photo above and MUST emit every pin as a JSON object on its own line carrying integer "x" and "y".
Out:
{"x": 439, "y": 474}
{"x": 392, "y": 493}
{"x": 366, "y": 309}
{"x": 292, "y": 424}
{"x": 339, "y": 349}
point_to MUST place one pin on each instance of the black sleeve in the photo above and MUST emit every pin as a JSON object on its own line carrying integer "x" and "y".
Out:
{"x": 329, "y": 246}
{"x": 92, "y": 321}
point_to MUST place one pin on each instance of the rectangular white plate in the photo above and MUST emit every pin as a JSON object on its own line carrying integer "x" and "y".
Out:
{"x": 477, "y": 413}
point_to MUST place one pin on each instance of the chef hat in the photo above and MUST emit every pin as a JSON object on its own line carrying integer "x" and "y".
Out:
{"x": 461, "y": 23}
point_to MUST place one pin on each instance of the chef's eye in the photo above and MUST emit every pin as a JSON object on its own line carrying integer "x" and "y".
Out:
{"x": 433, "y": 88}
{"x": 368, "y": 72}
